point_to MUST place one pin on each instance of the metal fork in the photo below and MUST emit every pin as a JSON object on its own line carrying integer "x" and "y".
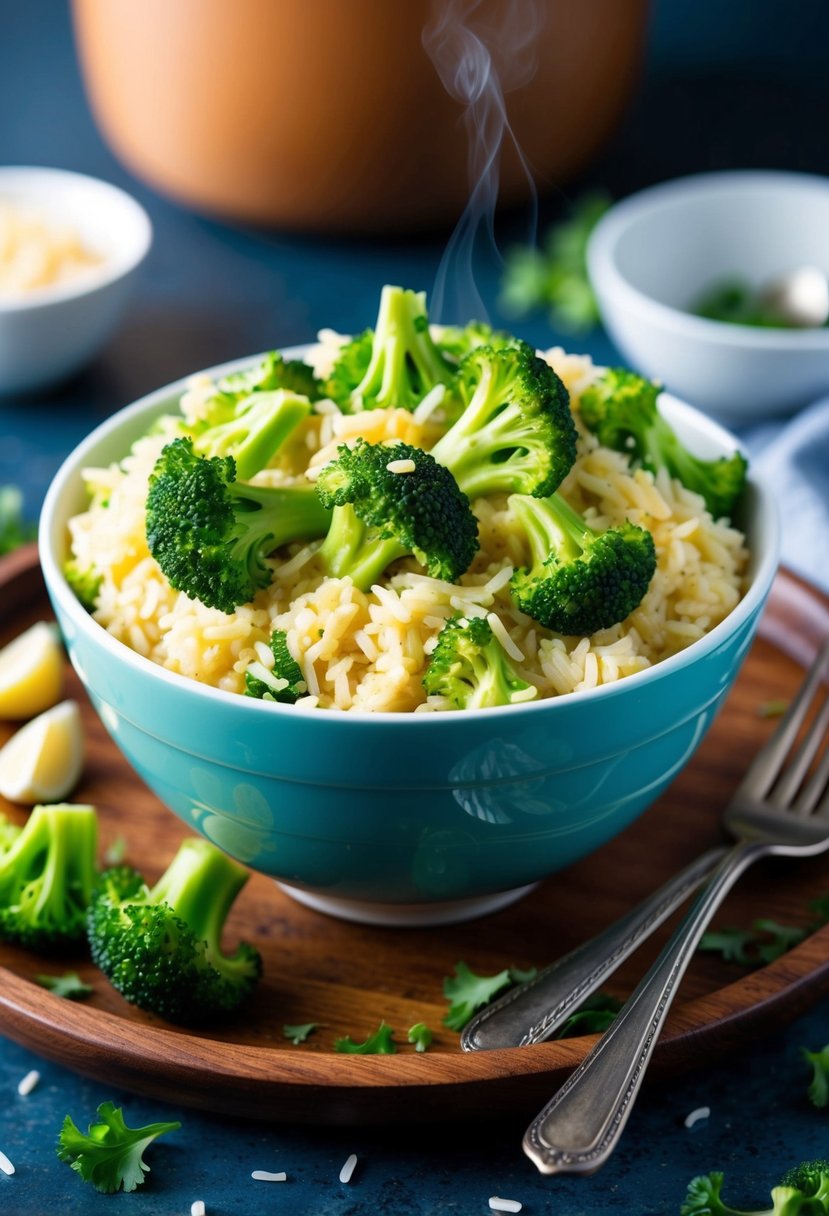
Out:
{"x": 780, "y": 808}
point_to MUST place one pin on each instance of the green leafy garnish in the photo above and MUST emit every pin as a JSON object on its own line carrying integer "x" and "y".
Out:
{"x": 110, "y": 1155}
{"x": 802, "y": 1191}
{"x": 14, "y": 529}
{"x": 69, "y": 985}
{"x": 381, "y": 1043}
{"x": 554, "y": 277}
{"x": 420, "y": 1035}
{"x": 592, "y": 1017}
{"x": 766, "y": 940}
{"x": 819, "y": 1087}
{"x": 736, "y": 303}
{"x": 299, "y": 1033}
{"x": 469, "y": 992}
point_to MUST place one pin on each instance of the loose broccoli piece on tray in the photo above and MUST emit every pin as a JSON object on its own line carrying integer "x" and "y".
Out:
{"x": 396, "y": 364}
{"x": 802, "y": 1191}
{"x": 282, "y": 682}
{"x": 161, "y": 946}
{"x": 621, "y": 409}
{"x": 211, "y": 534}
{"x": 250, "y": 430}
{"x": 390, "y": 501}
{"x": 47, "y": 874}
{"x": 579, "y": 580}
{"x": 470, "y": 667}
{"x": 110, "y": 1155}
{"x": 516, "y": 434}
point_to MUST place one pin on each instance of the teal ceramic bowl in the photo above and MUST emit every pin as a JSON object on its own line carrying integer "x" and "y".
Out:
{"x": 394, "y": 818}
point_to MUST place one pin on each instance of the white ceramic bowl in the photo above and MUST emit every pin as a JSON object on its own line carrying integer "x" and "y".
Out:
{"x": 654, "y": 254}
{"x": 51, "y": 332}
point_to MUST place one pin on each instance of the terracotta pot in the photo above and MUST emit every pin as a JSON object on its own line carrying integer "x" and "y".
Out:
{"x": 329, "y": 116}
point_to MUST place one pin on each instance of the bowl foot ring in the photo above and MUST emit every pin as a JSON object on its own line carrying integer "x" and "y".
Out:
{"x": 403, "y": 916}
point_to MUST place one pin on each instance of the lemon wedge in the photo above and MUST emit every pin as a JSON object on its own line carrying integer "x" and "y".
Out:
{"x": 31, "y": 672}
{"x": 42, "y": 761}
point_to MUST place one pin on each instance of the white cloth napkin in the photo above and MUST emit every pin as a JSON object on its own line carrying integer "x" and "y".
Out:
{"x": 793, "y": 454}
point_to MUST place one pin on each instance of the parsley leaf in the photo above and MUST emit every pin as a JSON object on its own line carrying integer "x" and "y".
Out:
{"x": 468, "y": 992}
{"x": 593, "y": 1016}
{"x": 819, "y": 1087}
{"x": 300, "y": 1032}
{"x": 69, "y": 985}
{"x": 381, "y": 1043}
{"x": 420, "y": 1035}
{"x": 110, "y": 1155}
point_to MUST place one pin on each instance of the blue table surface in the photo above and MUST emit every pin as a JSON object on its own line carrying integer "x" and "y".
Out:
{"x": 212, "y": 291}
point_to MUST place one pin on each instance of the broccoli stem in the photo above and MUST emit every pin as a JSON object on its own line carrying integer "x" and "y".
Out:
{"x": 551, "y": 526}
{"x": 260, "y": 425}
{"x": 47, "y": 875}
{"x": 402, "y": 344}
{"x": 276, "y": 515}
{"x": 352, "y": 549}
{"x": 200, "y": 885}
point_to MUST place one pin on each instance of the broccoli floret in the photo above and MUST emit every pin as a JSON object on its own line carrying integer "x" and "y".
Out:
{"x": 516, "y": 434}
{"x": 250, "y": 430}
{"x": 621, "y": 408}
{"x": 381, "y": 515}
{"x": 470, "y": 667}
{"x": 272, "y": 373}
{"x": 803, "y": 1191}
{"x": 161, "y": 946}
{"x": 579, "y": 580}
{"x": 211, "y": 535}
{"x": 282, "y": 682}
{"x": 47, "y": 874}
{"x": 812, "y": 1178}
{"x": 396, "y": 364}
{"x": 85, "y": 581}
{"x": 456, "y": 341}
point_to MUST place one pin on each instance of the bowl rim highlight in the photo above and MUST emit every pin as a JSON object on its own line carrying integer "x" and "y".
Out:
{"x": 52, "y": 538}
{"x": 643, "y": 205}
{"x": 124, "y": 257}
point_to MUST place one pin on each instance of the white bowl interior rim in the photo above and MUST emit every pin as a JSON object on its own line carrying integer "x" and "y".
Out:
{"x": 130, "y": 234}
{"x": 52, "y": 531}
{"x": 655, "y": 200}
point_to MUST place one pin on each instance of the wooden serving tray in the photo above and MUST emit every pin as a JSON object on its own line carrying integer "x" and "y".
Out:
{"x": 348, "y": 977}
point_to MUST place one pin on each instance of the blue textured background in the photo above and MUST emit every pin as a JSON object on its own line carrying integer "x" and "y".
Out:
{"x": 726, "y": 85}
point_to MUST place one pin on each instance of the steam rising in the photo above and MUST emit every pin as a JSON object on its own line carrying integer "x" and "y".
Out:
{"x": 480, "y": 51}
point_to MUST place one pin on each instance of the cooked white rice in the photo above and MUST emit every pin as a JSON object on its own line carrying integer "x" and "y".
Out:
{"x": 368, "y": 651}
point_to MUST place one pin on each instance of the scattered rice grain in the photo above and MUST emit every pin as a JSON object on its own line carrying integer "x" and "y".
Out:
{"x": 696, "y": 1116}
{"x": 504, "y": 1205}
{"x": 265, "y": 1176}
{"x": 197, "y": 1208}
{"x": 348, "y": 1168}
{"x": 28, "y": 1083}
{"x": 6, "y": 1165}
{"x": 401, "y": 466}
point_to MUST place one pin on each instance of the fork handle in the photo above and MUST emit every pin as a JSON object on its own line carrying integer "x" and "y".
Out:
{"x": 534, "y": 1011}
{"x": 577, "y": 1131}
